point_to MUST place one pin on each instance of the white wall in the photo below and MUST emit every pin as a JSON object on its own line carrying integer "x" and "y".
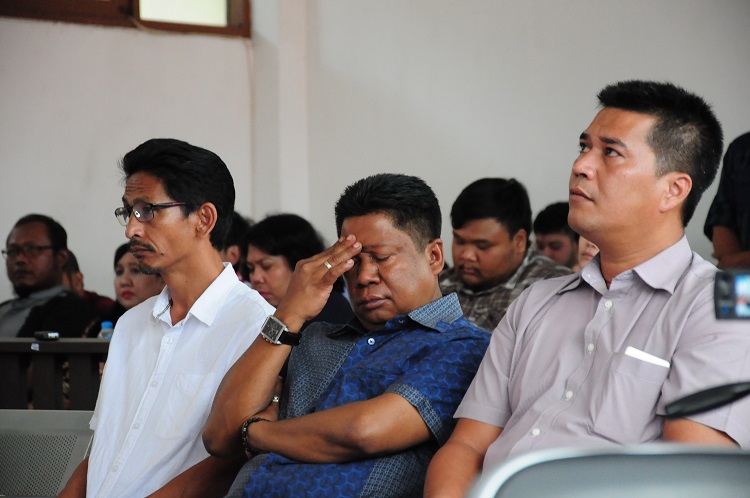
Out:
{"x": 74, "y": 99}
{"x": 450, "y": 91}
{"x": 454, "y": 91}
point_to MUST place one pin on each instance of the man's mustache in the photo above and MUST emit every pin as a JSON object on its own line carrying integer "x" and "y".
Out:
{"x": 142, "y": 246}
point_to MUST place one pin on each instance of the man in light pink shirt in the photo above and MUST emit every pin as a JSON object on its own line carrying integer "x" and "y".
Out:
{"x": 591, "y": 359}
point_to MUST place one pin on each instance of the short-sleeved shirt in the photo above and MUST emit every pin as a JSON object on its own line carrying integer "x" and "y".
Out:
{"x": 487, "y": 307}
{"x": 428, "y": 356}
{"x": 159, "y": 382}
{"x": 575, "y": 363}
{"x": 731, "y": 206}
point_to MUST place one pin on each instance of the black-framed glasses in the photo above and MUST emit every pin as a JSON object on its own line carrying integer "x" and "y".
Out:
{"x": 143, "y": 211}
{"x": 28, "y": 250}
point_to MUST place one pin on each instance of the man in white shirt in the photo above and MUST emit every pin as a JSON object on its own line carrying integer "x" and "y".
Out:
{"x": 169, "y": 354}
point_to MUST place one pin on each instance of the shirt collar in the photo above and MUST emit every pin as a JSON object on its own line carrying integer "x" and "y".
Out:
{"x": 207, "y": 305}
{"x": 436, "y": 315}
{"x": 663, "y": 271}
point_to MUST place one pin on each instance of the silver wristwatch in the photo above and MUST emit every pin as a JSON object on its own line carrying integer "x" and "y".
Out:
{"x": 276, "y": 332}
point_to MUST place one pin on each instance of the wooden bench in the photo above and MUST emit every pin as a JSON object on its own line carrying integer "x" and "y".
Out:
{"x": 45, "y": 376}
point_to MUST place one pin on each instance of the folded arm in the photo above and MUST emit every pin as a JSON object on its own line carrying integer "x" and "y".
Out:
{"x": 688, "y": 431}
{"x": 208, "y": 478}
{"x": 248, "y": 386}
{"x": 459, "y": 461}
{"x": 382, "y": 425}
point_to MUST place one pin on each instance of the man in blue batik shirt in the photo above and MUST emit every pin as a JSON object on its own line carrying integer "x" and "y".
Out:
{"x": 364, "y": 405}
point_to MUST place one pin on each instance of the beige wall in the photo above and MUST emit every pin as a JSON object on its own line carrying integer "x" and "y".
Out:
{"x": 339, "y": 89}
{"x": 75, "y": 99}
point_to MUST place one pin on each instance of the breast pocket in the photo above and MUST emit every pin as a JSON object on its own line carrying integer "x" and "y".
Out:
{"x": 624, "y": 407}
{"x": 187, "y": 405}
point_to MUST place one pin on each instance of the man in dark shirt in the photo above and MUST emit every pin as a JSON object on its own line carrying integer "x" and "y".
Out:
{"x": 364, "y": 405}
{"x": 728, "y": 221}
{"x": 35, "y": 255}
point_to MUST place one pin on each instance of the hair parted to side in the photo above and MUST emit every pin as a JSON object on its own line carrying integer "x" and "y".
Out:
{"x": 407, "y": 200}
{"x": 554, "y": 219}
{"x": 190, "y": 174}
{"x": 686, "y": 137}
{"x": 505, "y": 200}
{"x": 121, "y": 251}
{"x": 287, "y": 235}
{"x": 57, "y": 235}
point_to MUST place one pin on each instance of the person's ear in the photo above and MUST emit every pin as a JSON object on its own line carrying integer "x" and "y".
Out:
{"x": 207, "y": 218}
{"x": 677, "y": 187}
{"x": 61, "y": 258}
{"x": 519, "y": 240}
{"x": 435, "y": 255}
{"x": 233, "y": 254}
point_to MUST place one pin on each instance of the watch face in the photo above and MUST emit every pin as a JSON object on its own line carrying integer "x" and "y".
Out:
{"x": 272, "y": 329}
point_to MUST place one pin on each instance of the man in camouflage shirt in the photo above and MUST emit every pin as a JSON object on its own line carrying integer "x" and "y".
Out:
{"x": 492, "y": 258}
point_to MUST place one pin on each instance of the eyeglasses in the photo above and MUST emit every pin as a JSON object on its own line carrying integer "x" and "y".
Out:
{"x": 143, "y": 211}
{"x": 28, "y": 250}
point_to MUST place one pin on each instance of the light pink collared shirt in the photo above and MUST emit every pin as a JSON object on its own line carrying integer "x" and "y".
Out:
{"x": 576, "y": 364}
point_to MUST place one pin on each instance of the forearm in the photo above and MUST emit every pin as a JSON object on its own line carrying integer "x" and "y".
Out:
{"x": 383, "y": 425}
{"x": 208, "y": 478}
{"x": 76, "y": 486}
{"x": 725, "y": 242}
{"x": 246, "y": 389}
{"x": 735, "y": 260}
{"x": 452, "y": 470}
{"x": 688, "y": 431}
{"x": 459, "y": 461}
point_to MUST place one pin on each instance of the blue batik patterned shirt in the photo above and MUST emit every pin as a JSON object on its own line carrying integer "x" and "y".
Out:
{"x": 429, "y": 357}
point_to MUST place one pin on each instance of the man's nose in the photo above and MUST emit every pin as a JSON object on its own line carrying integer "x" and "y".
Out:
{"x": 367, "y": 273}
{"x": 467, "y": 253}
{"x": 584, "y": 165}
{"x": 134, "y": 227}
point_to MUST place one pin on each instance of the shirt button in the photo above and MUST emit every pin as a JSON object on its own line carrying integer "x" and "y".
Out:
{"x": 607, "y": 304}
{"x": 535, "y": 432}
{"x": 590, "y": 348}
{"x": 568, "y": 394}
{"x": 154, "y": 383}
{"x": 371, "y": 341}
{"x": 136, "y": 425}
{"x": 115, "y": 468}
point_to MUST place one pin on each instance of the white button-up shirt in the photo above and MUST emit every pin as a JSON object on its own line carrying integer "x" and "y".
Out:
{"x": 159, "y": 383}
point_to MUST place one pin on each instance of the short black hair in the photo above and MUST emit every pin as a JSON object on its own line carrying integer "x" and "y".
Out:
{"x": 554, "y": 219}
{"x": 237, "y": 231}
{"x": 57, "y": 235}
{"x": 686, "y": 137}
{"x": 120, "y": 252}
{"x": 407, "y": 200}
{"x": 505, "y": 200}
{"x": 71, "y": 265}
{"x": 190, "y": 174}
{"x": 287, "y": 235}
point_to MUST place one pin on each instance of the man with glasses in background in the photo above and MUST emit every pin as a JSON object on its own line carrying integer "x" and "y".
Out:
{"x": 35, "y": 254}
{"x": 168, "y": 354}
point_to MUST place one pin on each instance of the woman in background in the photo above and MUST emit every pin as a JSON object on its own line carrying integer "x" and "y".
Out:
{"x": 132, "y": 287}
{"x": 274, "y": 245}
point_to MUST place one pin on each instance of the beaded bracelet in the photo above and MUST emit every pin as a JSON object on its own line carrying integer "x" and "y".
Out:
{"x": 243, "y": 433}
